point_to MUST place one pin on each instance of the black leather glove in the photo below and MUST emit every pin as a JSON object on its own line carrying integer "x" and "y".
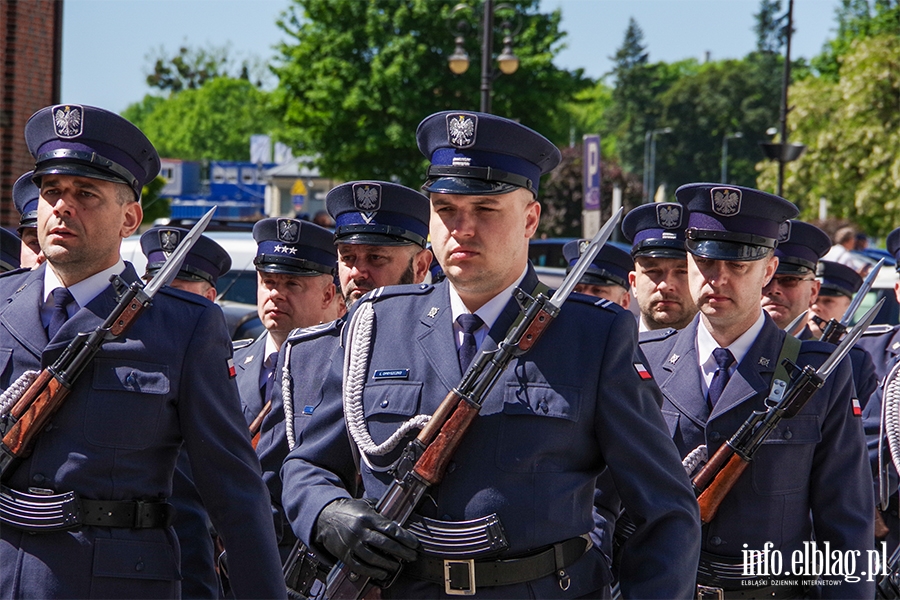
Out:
{"x": 368, "y": 543}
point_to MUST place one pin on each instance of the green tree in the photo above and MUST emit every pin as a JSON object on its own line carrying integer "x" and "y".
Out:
{"x": 214, "y": 121}
{"x": 852, "y": 132}
{"x": 189, "y": 68}
{"x": 769, "y": 27}
{"x": 856, "y": 19}
{"x": 358, "y": 76}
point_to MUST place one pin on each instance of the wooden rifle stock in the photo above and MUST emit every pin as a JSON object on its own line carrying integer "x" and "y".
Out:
{"x": 32, "y": 412}
{"x": 256, "y": 424}
{"x": 710, "y": 499}
{"x": 434, "y": 461}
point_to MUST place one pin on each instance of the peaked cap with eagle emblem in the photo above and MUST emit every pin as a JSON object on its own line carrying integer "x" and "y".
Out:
{"x": 25, "y": 197}
{"x": 610, "y": 267}
{"x": 800, "y": 246}
{"x": 71, "y": 139}
{"x": 378, "y": 213}
{"x": 730, "y": 222}
{"x": 481, "y": 154}
{"x": 294, "y": 247}
{"x": 837, "y": 279}
{"x": 656, "y": 230}
{"x": 206, "y": 261}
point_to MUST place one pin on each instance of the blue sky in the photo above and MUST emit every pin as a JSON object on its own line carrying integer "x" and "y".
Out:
{"x": 106, "y": 42}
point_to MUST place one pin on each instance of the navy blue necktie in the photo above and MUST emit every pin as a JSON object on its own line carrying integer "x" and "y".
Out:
{"x": 59, "y": 313}
{"x": 723, "y": 358}
{"x": 469, "y": 325}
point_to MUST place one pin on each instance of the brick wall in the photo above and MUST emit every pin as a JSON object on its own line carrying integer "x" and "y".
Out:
{"x": 30, "y": 56}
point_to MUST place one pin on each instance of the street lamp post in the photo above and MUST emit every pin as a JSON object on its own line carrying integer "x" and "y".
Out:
{"x": 651, "y": 178}
{"x": 725, "y": 138}
{"x": 507, "y": 61}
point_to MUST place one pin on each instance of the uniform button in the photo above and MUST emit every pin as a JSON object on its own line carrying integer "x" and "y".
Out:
{"x": 446, "y": 518}
{"x": 451, "y": 467}
{"x": 714, "y": 436}
{"x": 715, "y": 540}
{"x": 131, "y": 379}
{"x": 543, "y": 406}
{"x": 48, "y": 427}
{"x": 38, "y": 478}
{"x": 384, "y": 403}
{"x": 139, "y": 566}
{"x": 788, "y": 434}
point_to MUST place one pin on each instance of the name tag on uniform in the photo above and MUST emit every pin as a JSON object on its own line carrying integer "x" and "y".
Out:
{"x": 392, "y": 374}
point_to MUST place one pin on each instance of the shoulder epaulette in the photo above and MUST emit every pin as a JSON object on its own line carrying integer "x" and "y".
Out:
{"x": 412, "y": 289}
{"x": 306, "y": 333}
{"x": 183, "y": 295}
{"x": 238, "y": 344}
{"x": 879, "y": 329}
{"x": 15, "y": 272}
{"x": 655, "y": 335}
{"x": 594, "y": 301}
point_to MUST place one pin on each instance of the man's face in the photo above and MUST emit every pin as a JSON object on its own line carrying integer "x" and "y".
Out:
{"x": 728, "y": 293}
{"x": 661, "y": 288}
{"x": 81, "y": 223}
{"x": 830, "y": 307}
{"x": 613, "y": 293}
{"x": 787, "y": 296}
{"x": 481, "y": 242}
{"x": 30, "y": 255}
{"x": 285, "y": 302}
{"x": 362, "y": 268}
{"x": 201, "y": 288}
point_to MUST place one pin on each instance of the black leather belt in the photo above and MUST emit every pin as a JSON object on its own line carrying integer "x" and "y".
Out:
{"x": 46, "y": 512}
{"x": 462, "y": 577}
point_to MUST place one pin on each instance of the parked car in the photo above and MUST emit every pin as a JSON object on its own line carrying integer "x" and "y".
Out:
{"x": 882, "y": 287}
{"x": 237, "y": 288}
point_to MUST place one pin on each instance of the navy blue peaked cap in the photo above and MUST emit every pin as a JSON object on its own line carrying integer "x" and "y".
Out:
{"x": 893, "y": 245}
{"x": 294, "y": 247}
{"x": 26, "y": 196}
{"x": 207, "y": 260}
{"x": 656, "y": 230}
{"x": 378, "y": 213}
{"x": 71, "y": 139}
{"x": 10, "y": 250}
{"x": 610, "y": 267}
{"x": 729, "y": 222}
{"x": 481, "y": 154}
{"x": 837, "y": 279}
{"x": 800, "y": 246}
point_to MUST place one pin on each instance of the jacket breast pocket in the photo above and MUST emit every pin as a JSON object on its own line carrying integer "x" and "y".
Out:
{"x": 538, "y": 425}
{"x": 387, "y": 405}
{"x": 783, "y": 462}
{"x": 125, "y": 404}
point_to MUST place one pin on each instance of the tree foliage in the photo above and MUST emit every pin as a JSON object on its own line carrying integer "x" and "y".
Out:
{"x": 358, "y": 76}
{"x": 856, "y": 19}
{"x": 852, "y": 132}
{"x": 189, "y": 68}
{"x": 214, "y": 121}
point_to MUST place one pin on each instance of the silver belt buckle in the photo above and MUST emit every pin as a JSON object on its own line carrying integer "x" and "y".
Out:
{"x": 705, "y": 592}
{"x": 469, "y": 565}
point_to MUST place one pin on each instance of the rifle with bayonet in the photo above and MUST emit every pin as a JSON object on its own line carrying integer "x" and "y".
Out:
{"x": 833, "y": 330}
{"x": 425, "y": 459}
{"x": 713, "y": 482}
{"x": 44, "y": 396}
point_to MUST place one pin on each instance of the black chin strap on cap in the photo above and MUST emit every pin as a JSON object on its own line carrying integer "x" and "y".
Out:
{"x": 90, "y": 159}
{"x": 727, "y": 245}
{"x": 484, "y": 174}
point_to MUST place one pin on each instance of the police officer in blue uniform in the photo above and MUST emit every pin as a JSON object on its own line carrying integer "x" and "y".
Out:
{"x": 25, "y": 197}
{"x": 838, "y": 285}
{"x": 199, "y": 274}
{"x": 522, "y": 482}
{"x": 10, "y": 248}
{"x": 165, "y": 385}
{"x": 607, "y": 277}
{"x": 380, "y": 233}
{"x": 295, "y": 263}
{"x": 883, "y": 341}
{"x": 810, "y": 480}
{"x": 659, "y": 278}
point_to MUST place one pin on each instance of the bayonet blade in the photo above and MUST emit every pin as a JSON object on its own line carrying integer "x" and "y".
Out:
{"x": 172, "y": 265}
{"x": 844, "y": 347}
{"x": 794, "y": 325}
{"x": 587, "y": 257}
{"x": 861, "y": 294}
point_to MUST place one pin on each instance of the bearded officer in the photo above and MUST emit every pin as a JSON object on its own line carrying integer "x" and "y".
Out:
{"x": 162, "y": 387}
{"x": 607, "y": 277}
{"x": 810, "y": 480}
{"x": 380, "y": 233}
{"x": 295, "y": 263}
{"x": 523, "y": 479}
{"x": 659, "y": 278}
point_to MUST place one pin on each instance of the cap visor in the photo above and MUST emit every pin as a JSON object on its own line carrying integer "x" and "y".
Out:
{"x": 286, "y": 270}
{"x": 724, "y": 250}
{"x": 467, "y": 187}
{"x": 70, "y": 168}
{"x": 372, "y": 239}
{"x": 661, "y": 253}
